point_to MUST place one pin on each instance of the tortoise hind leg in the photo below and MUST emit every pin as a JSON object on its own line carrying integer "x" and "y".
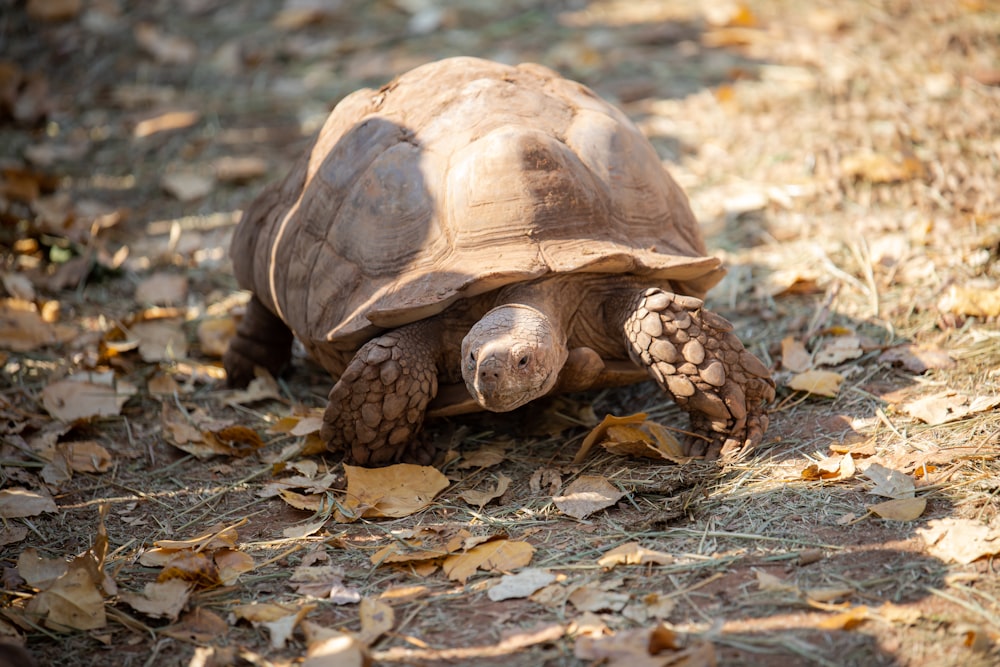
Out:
{"x": 694, "y": 355}
{"x": 376, "y": 409}
{"x": 262, "y": 339}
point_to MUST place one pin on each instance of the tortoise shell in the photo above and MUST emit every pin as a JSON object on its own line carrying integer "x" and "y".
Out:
{"x": 457, "y": 178}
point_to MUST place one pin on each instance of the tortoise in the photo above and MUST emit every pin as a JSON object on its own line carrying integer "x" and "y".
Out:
{"x": 475, "y": 235}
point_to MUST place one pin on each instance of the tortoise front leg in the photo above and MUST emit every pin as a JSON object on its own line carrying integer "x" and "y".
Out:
{"x": 694, "y": 355}
{"x": 376, "y": 409}
{"x": 262, "y": 339}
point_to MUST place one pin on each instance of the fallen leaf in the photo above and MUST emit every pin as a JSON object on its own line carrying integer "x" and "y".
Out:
{"x": 86, "y": 395}
{"x": 917, "y": 358}
{"x": 196, "y": 567}
{"x": 794, "y": 356}
{"x": 521, "y": 584}
{"x": 323, "y": 581}
{"x": 769, "y": 582}
{"x": 85, "y": 456}
{"x": 900, "y": 614}
{"x": 651, "y": 605}
{"x": 159, "y": 599}
{"x": 900, "y": 509}
{"x": 326, "y": 647}
{"x": 161, "y": 339}
{"x": 597, "y": 433}
{"x": 645, "y": 440}
{"x": 393, "y": 491}
{"x": 879, "y": 168}
{"x": 659, "y": 646}
{"x": 486, "y": 456}
{"x": 837, "y": 350}
{"x": 493, "y": 556}
{"x": 596, "y": 598}
{"x": 261, "y": 388}
{"x": 587, "y": 494}
{"x": 828, "y": 593}
{"x": 198, "y": 626}
{"x": 19, "y": 286}
{"x": 377, "y": 618}
{"x": 948, "y": 406}
{"x": 821, "y": 383}
{"x": 231, "y": 564}
{"x": 632, "y": 553}
{"x": 888, "y": 482}
{"x": 214, "y": 335}
{"x": 835, "y": 467}
{"x": 187, "y": 186}
{"x": 481, "y": 498}
{"x": 19, "y": 502}
{"x": 960, "y": 540}
{"x": 22, "y": 328}
{"x": 971, "y": 301}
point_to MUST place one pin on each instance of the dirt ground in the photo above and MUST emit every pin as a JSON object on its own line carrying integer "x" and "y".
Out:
{"x": 843, "y": 159}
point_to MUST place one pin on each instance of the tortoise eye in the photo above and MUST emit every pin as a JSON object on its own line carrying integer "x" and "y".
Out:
{"x": 523, "y": 361}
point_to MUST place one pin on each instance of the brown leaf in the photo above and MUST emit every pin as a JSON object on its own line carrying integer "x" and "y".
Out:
{"x": 948, "y": 406}
{"x": 199, "y": 626}
{"x": 73, "y": 601}
{"x": 521, "y": 584}
{"x": 837, "y": 350}
{"x": 835, "y": 467}
{"x": 900, "y": 509}
{"x": 971, "y": 301}
{"x": 161, "y": 339}
{"x": 377, "y": 618}
{"x": 326, "y": 647}
{"x": 596, "y": 598}
{"x": 22, "y": 328}
{"x": 40, "y": 572}
{"x": 632, "y": 553}
{"x": 598, "y": 432}
{"x": 960, "y": 540}
{"x": 216, "y": 537}
{"x": 231, "y": 564}
{"x": 19, "y": 502}
{"x": 393, "y": 491}
{"x": 86, "y": 395}
{"x": 821, "y": 383}
{"x": 481, "y": 498}
{"x": 879, "y": 168}
{"x": 645, "y": 440}
{"x": 494, "y": 556}
{"x": 794, "y": 356}
{"x": 917, "y": 358}
{"x": 195, "y": 567}
{"x": 214, "y": 335}
{"x": 888, "y": 482}
{"x": 159, "y": 599}
{"x": 162, "y": 289}
{"x": 85, "y": 456}
{"x": 587, "y": 494}
{"x": 846, "y": 620}
{"x": 239, "y": 169}
{"x": 486, "y": 456}
{"x": 187, "y": 186}
{"x": 323, "y": 581}
{"x": 658, "y": 646}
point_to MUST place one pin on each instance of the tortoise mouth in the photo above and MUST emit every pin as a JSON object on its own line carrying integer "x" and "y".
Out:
{"x": 500, "y": 396}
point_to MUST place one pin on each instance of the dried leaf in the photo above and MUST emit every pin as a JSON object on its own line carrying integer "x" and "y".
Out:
{"x": 830, "y": 468}
{"x": 494, "y": 556}
{"x": 481, "y": 498}
{"x": 332, "y": 648}
{"x": 794, "y": 356}
{"x": 323, "y": 581}
{"x": 917, "y": 358}
{"x": 596, "y": 598}
{"x": 231, "y": 564}
{"x": 377, "y": 618}
{"x": 214, "y": 335}
{"x": 646, "y": 440}
{"x": 159, "y": 599}
{"x": 187, "y": 186}
{"x": 900, "y": 614}
{"x": 597, "y": 433}
{"x": 216, "y": 537}
{"x": 769, "y": 582}
{"x": 196, "y": 567}
{"x": 85, "y": 456}
{"x": 161, "y": 339}
{"x": 948, "y": 406}
{"x": 20, "y": 502}
{"x": 280, "y": 620}
{"x": 632, "y": 553}
{"x": 828, "y": 593}
{"x": 888, "y": 482}
{"x": 821, "y": 383}
{"x": 521, "y": 584}
{"x": 394, "y": 491}
{"x": 199, "y": 626}
{"x": 86, "y": 395}
{"x": 261, "y": 388}
{"x": 658, "y": 646}
{"x": 971, "y": 301}
{"x": 900, "y": 509}
{"x": 960, "y": 540}
{"x": 22, "y": 328}
{"x": 837, "y": 350}
{"x": 162, "y": 289}
{"x": 879, "y": 168}
{"x": 587, "y": 494}
{"x": 171, "y": 120}
{"x": 18, "y": 286}
{"x": 486, "y": 456}
{"x": 239, "y": 169}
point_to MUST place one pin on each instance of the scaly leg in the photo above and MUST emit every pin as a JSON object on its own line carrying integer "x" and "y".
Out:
{"x": 694, "y": 355}
{"x": 262, "y": 339}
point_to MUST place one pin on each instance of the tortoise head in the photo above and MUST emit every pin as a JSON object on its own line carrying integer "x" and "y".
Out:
{"x": 512, "y": 356}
